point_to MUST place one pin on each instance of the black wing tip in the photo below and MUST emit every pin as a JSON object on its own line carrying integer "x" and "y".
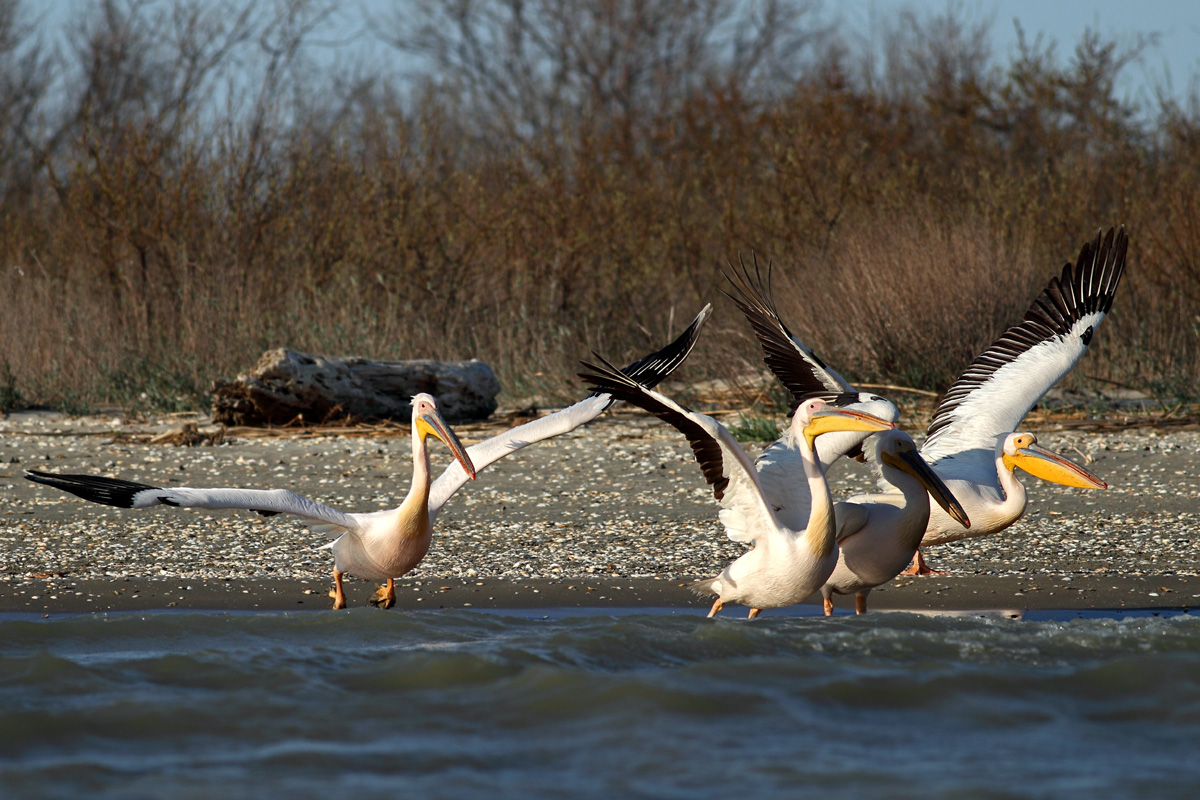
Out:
{"x": 801, "y": 371}
{"x": 605, "y": 378}
{"x": 751, "y": 294}
{"x": 1086, "y": 287}
{"x": 1099, "y": 268}
{"x": 652, "y": 369}
{"x": 751, "y": 289}
{"x": 93, "y": 488}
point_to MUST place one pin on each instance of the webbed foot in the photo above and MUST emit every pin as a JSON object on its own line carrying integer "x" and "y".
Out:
{"x": 385, "y": 596}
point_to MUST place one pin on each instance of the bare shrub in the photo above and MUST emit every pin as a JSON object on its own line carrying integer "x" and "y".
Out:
{"x": 202, "y": 191}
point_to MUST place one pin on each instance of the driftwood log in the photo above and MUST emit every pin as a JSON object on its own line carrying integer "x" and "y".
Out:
{"x": 287, "y": 387}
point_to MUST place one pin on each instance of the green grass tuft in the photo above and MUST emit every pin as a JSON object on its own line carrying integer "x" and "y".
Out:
{"x": 755, "y": 429}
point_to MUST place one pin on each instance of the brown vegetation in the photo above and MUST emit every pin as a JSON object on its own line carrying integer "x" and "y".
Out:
{"x": 183, "y": 190}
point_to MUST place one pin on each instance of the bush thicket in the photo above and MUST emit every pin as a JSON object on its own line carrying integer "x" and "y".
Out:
{"x": 184, "y": 186}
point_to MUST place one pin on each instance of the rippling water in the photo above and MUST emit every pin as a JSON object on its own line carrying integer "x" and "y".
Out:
{"x": 452, "y": 704}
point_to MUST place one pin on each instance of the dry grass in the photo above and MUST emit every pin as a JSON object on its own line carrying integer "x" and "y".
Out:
{"x": 145, "y": 254}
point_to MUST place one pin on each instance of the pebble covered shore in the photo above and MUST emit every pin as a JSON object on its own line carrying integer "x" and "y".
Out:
{"x": 621, "y": 497}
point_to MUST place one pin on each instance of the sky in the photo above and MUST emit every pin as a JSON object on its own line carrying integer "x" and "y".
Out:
{"x": 1175, "y": 22}
{"x": 1173, "y": 62}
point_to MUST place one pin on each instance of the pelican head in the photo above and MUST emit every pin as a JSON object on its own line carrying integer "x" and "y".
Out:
{"x": 427, "y": 420}
{"x": 817, "y": 417}
{"x": 850, "y": 443}
{"x": 1022, "y": 450}
{"x": 897, "y": 450}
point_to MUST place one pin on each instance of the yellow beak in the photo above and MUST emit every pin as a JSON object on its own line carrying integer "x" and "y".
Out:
{"x": 1042, "y": 463}
{"x": 912, "y": 463}
{"x": 436, "y": 426}
{"x": 829, "y": 419}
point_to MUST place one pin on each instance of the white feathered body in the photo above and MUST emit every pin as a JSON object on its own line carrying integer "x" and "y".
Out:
{"x": 988, "y": 491}
{"x": 387, "y": 543}
{"x": 878, "y": 552}
{"x": 785, "y": 567}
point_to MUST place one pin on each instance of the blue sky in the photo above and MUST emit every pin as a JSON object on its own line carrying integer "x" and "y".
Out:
{"x": 1176, "y": 23}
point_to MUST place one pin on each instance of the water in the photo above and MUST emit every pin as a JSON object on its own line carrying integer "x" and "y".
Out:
{"x": 454, "y": 704}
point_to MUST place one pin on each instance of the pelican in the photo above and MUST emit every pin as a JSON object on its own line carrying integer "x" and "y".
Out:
{"x": 973, "y": 443}
{"x": 379, "y": 545}
{"x": 973, "y": 438}
{"x": 384, "y": 545}
{"x": 786, "y": 564}
{"x": 878, "y": 534}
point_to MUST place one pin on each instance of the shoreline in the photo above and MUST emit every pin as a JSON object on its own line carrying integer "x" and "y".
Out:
{"x": 936, "y": 593}
{"x": 614, "y": 515}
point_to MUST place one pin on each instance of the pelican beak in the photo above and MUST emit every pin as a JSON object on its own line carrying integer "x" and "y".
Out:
{"x": 912, "y": 463}
{"x": 1049, "y": 466}
{"x": 829, "y": 419}
{"x": 435, "y": 425}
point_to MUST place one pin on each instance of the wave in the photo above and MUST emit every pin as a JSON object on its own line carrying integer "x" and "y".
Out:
{"x": 459, "y": 702}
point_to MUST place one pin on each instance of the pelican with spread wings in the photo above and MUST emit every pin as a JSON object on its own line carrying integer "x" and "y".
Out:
{"x": 384, "y": 545}
{"x": 788, "y": 561}
{"x": 973, "y": 443}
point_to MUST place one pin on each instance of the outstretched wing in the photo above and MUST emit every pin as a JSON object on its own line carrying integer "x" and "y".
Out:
{"x": 780, "y": 467}
{"x": 725, "y": 465}
{"x": 648, "y": 371}
{"x": 1004, "y": 382}
{"x": 797, "y": 368}
{"x": 127, "y": 494}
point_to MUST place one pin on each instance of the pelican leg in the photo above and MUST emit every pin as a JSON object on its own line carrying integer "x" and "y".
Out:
{"x": 385, "y": 596}
{"x": 716, "y": 608}
{"x": 827, "y": 602}
{"x": 337, "y": 593}
{"x": 919, "y": 567}
{"x": 860, "y": 603}
{"x": 754, "y": 612}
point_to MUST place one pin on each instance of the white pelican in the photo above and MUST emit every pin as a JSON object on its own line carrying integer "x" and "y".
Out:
{"x": 973, "y": 441}
{"x": 383, "y": 545}
{"x": 787, "y": 563}
{"x": 973, "y": 444}
{"x": 379, "y": 545}
{"x": 878, "y": 534}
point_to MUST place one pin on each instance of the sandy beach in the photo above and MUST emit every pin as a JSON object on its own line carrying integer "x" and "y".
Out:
{"x": 614, "y": 515}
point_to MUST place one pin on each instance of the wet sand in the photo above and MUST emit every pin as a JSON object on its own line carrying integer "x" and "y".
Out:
{"x": 613, "y": 516}
{"x": 931, "y": 593}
